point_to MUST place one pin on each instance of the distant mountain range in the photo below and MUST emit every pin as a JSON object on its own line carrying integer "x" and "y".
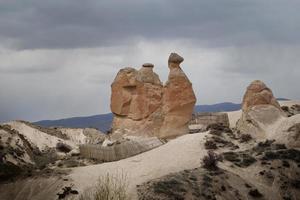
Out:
{"x": 103, "y": 122}
{"x": 100, "y": 122}
{"x": 220, "y": 107}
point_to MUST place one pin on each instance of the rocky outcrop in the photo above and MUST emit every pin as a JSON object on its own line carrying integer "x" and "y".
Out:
{"x": 258, "y": 94}
{"x": 136, "y": 96}
{"x": 143, "y": 106}
{"x": 288, "y": 132}
{"x": 260, "y": 110}
{"x": 263, "y": 118}
{"x": 25, "y": 147}
{"x": 178, "y": 100}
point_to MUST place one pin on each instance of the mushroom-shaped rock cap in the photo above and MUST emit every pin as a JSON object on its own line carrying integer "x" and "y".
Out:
{"x": 148, "y": 65}
{"x": 175, "y": 58}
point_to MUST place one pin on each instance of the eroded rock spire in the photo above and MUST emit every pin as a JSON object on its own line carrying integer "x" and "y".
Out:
{"x": 143, "y": 106}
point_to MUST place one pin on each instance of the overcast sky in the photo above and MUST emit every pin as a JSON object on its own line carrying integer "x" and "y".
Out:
{"x": 59, "y": 57}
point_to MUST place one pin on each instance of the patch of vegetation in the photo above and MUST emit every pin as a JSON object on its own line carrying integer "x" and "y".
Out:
{"x": 45, "y": 158}
{"x": 240, "y": 159}
{"x": 210, "y": 161}
{"x": 285, "y": 163}
{"x": 255, "y": 193}
{"x": 209, "y": 144}
{"x": 192, "y": 131}
{"x": 285, "y": 108}
{"x": 267, "y": 145}
{"x": 66, "y": 192}
{"x": 245, "y": 138}
{"x": 9, "y": 171}
{"x": 218, "y": 129}
{"x": 224, "y": 143}
{"x": 289, "y": 154}
{"x": 295, "y": 184}
{"x": 171, "y": 188}
{"x": 71, "y": 163}
{"x": 108, "y": 187}
{"x": 62, "y": 147}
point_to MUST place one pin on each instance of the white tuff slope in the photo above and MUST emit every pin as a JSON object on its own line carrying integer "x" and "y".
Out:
{"x": 36, "y": 137}
{"x": 42, "y": 140}
{"x": 184, "y": 152}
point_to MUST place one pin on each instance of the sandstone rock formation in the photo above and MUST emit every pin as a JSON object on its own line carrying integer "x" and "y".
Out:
{"x": 136, "y": 95}
{"x": 143, "y": 106}
{"x": 258, "y": 94}
{"x": 260, "y": 110}
{"x": 178, "y": 100}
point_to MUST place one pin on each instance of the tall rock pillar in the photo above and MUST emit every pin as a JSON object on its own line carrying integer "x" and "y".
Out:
{"x": 178, "y": 100}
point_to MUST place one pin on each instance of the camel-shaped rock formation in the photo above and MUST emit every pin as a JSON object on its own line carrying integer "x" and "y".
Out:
{"x": 143, "y": 106}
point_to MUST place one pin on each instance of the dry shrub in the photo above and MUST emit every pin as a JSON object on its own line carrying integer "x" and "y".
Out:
{"x": 62, "y": 147}
{"x": 209, "y": 144}
{"x": 108, "y": 187}
{"x": 245, "y": 138}
{"x": 210, "y": 161}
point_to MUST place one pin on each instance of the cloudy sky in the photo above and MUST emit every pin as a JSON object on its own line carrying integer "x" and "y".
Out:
{"x": 59, "y": 57}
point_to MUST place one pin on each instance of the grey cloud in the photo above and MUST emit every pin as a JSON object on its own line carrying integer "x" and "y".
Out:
{"x": 28, "y": 70}
{"x": 262, "y": 59}
{"x": 59, "y": 57}
{"x": 92, "y": 23}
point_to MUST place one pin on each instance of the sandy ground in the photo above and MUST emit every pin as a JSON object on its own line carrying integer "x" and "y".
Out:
{"x": 44, "y": 188}
{"x": 182, "y": 153}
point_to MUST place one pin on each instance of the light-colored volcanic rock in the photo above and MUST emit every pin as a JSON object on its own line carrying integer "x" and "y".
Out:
{"x": 260, "y": 110}
{"x": 260, "y": 120}
{"x": 258, "y": 94}
{"x": 267, "y": 122}
{"x": 181, "y": 153}
{"x": 288, "y": 132}
{"x": 25, "y": 147}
